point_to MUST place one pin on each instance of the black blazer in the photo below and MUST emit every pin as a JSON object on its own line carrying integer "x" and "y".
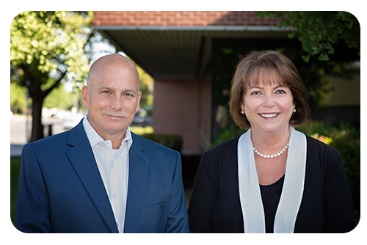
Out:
{"x": 326, "y": 203}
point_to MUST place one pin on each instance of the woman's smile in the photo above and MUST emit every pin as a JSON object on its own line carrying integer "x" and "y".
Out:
{"x": 269, "y": 115}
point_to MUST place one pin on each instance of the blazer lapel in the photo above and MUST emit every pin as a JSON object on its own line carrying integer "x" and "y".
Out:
{"x": 82, "y": 158}
{"x": 138, "y": 175}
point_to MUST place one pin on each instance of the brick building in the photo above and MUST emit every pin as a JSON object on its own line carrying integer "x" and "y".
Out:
{"x": 184, "y": 52}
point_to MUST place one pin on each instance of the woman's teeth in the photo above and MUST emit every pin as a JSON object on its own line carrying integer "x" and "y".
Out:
{"x": 268, "y": 115}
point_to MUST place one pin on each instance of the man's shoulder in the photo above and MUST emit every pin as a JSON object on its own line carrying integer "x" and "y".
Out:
{"x": 58, "y": 139}
{"x": 50, "y": 140}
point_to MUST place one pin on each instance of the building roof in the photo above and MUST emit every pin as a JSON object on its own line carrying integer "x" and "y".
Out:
{"x": 177, "y": 45}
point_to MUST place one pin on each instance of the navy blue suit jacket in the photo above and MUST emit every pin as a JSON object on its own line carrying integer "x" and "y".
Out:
{"x": 61, "y": 190}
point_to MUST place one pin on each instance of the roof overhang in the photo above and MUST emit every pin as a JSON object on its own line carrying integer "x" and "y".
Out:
{"x": 179, "y": 52}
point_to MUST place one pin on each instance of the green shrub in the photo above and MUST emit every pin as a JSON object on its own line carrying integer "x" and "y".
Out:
{"x": 345, "y": 138}
{"x": 172, "y": 141}
{"x": 227, "y": 135}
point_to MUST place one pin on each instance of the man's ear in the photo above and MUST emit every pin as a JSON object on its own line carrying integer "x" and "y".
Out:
{"x": 138, "y": 104}
{"x": 85, "y": 96}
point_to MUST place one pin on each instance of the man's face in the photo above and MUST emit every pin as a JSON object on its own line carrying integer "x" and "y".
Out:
{"x": 112, "y": 98}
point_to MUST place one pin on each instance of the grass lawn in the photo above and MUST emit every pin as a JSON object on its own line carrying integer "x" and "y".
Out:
{"x": 14, "y": 176}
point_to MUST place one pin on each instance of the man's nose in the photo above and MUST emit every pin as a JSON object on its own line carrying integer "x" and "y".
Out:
{"x": 117, "y": 102}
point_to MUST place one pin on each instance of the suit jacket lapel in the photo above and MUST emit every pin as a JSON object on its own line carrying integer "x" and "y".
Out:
{"x": 82, "y": 158}
{"x": 138, "y": 175}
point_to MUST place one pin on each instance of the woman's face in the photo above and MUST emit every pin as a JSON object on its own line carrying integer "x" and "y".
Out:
{"x": 268, "y": 107}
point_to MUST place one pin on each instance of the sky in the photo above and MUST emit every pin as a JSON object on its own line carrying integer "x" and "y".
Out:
{"x": 13, "y": 8}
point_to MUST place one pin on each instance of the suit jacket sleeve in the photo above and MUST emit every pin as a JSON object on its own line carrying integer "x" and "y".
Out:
{"x": 177, "y": 220}
{"x": 32, "y": 202}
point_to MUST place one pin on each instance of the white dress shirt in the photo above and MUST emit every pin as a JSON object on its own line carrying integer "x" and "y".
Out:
{"x": 113, "y": 165}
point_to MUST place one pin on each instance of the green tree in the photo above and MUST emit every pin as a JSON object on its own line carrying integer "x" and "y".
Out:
{"x": 46, "y": 49}
{"x": 18, "y": 99}
{"x": 60, "y": 98}
{"x": 146, "y": 87}
{"x": 319, "y": 32}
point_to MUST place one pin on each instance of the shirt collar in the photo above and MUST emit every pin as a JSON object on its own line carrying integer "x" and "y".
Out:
{"x": 94, "y": 138}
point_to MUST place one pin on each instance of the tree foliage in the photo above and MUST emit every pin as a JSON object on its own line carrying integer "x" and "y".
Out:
{"x": 320, "y": 31}
{"x": 18, "y": 98}
{"x": 46, "y": 49}
{"x": 146, "y": 87}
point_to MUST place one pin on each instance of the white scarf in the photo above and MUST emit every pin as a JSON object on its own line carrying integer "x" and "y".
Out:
{"x": 249, "y": 189}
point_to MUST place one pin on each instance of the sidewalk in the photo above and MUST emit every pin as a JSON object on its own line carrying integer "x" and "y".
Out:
{"x": 15, "y": 150}
{"x": 18, "y": 132}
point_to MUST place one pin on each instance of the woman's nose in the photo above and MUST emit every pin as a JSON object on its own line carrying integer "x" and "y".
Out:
{"x": 268, "y": 100}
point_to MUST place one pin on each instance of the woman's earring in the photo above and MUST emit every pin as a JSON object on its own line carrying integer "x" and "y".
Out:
{"x": 294, "y": 111}
{"x": 243, "y": 113}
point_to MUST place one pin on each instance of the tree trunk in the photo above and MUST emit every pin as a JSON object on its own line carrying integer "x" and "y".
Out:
{"x": 37, "y": 127}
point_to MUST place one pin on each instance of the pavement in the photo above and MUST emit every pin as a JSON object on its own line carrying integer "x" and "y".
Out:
{"x": 15, "y": 150}
{"x": 20, "y": 130}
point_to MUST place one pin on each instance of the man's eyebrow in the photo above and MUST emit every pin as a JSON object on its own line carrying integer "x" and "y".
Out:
{"x": 113, "y": 89}
{"x": 131, "y": 91}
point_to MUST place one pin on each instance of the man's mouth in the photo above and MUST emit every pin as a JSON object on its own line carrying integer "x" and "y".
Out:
{"x": 118, "y": 116}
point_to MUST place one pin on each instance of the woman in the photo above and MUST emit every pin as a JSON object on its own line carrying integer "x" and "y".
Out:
{"x": 272, "y": 178}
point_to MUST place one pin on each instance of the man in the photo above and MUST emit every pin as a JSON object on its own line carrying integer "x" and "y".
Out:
{"x": 99, "y": 176}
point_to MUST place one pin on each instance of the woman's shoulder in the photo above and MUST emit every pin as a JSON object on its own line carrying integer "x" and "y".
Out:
{"x": 317, "y": 145}
{"x": 319, "y": 150}
{"x": 221, "y": 159}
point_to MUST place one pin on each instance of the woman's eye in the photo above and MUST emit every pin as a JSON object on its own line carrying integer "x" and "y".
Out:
{"x": 280, "y": 91}
{"x": 255, "y": 93}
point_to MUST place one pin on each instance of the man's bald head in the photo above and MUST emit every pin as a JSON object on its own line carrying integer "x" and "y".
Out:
{"x": 110, "y": 61}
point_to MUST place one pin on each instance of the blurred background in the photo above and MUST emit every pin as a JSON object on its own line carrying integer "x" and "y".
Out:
{"x": 186, "y": 60}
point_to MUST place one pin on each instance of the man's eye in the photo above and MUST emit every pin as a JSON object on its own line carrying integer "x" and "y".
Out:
{"x": 128, "y": 95}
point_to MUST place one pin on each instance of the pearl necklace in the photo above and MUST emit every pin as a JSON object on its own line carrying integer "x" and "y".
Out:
{"x": 274, "y": 155}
